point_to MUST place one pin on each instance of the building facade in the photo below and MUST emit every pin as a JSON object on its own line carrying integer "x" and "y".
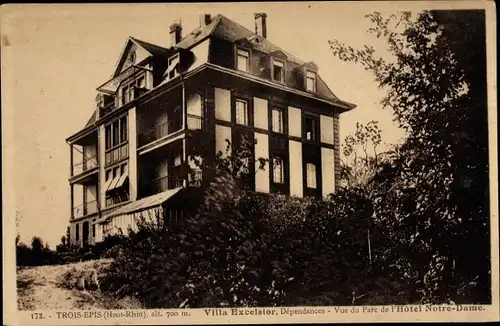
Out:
{"x": 163, "y": 106}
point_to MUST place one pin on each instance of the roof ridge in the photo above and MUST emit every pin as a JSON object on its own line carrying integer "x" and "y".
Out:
{"x": 214, "y": 22}
{"x": 146, "y": 42}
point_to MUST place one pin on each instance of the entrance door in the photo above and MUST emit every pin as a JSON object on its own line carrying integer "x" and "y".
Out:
{"x": 86, "y": 233}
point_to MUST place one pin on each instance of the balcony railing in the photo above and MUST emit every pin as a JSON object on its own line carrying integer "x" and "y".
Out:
{"x": 161, "y": 184}
{"x": 117, "y": 199}
{"x": 87, "y": 164}
{"x": 116, "y": 154}
{"x": 153, "y": 134}
{"x": 158, "y": 132}
{"x": 194, "y": 122}
{"x": 120, "y": 101}
{"x": 85, "y": 209}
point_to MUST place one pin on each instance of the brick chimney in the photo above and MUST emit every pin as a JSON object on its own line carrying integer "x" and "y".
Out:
{"x": 260, "y": 24}
{"x": 205, "y": 19}
{"x": 175, "y": 33}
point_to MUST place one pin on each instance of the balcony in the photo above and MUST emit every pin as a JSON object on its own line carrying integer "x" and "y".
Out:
{"x": 87, "y": 164}
{"x": 160, "y": 185}
{"x": 116, "y": 154}
{"x": 163, "y": 130}
{"x": 117, "y": 199}
{"x": 156, "y": 133}
{"x": 85, "y": 209}
{"x": 118, "y": 91}
{"x": 122, "y": 100}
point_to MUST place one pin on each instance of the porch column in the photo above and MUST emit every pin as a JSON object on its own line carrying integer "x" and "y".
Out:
{"x": 184, "y": 162}
{"x": 184, "y": 107}
{"x": 70, "y": 160}
{"x": 132, "y": 143}
{"x": 184, "y": 126}
{"x": 101, "y": 193}
{"x": 72, "y": 200}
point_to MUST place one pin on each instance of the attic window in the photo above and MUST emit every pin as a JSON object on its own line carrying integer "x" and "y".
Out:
{"x": 278, "y": 70}
{"x": 173, "y": 62}
{"x": 254, "y": 39}
{"x": 310, "y": 81}
{"x": 243, "y": 63}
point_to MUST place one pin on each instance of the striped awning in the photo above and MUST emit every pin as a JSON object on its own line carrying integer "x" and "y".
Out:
{"x": 142, "y": 204}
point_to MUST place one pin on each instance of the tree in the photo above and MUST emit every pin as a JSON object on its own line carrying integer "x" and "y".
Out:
{"x": 361, "y": 157}
{"x": 36, "y": 244}
{"x": 435, "y": 82}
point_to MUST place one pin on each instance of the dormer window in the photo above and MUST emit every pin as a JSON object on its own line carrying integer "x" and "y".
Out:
{"x": 310, "y": 81}
{"x": 278, "y": 72}
{"x": 243, "y": 60}
{"x": 173, "y": 63}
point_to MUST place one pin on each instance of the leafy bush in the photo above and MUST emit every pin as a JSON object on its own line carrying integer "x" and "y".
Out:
{"x": 247, "y": 249}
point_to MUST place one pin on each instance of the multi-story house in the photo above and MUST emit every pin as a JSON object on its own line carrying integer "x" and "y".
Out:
{"x": 217, "y": 83}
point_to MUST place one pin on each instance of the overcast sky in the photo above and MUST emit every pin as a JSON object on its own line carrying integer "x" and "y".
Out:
{"x": 57, "y": 56}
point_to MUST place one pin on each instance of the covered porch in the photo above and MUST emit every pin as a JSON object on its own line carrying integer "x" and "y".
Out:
{"x": 84, "y": 157}
{"x": 166, "y": 209}
{"x": 161, "y": 169}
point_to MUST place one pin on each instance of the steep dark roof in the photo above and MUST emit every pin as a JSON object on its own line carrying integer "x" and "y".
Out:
{"x": 151, "y": 48}
{"x": 199, "y": 33}
{"x": 224, "y": 28}
{"x": 232, "y": 31}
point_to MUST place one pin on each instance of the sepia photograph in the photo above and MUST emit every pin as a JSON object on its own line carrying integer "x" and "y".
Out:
{"x": 249, "y": 162}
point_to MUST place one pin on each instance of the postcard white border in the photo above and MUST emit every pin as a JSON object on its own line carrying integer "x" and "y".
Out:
{"x": 198, "y": 316}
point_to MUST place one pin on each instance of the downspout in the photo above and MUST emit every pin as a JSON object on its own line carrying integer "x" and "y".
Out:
{"x": 184, "y": 127}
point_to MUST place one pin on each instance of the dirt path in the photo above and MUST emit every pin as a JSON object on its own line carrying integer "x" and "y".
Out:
{"x": 39, "y": 288}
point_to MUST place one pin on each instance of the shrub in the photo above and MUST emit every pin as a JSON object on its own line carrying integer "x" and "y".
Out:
{"x": 246, "y": 249}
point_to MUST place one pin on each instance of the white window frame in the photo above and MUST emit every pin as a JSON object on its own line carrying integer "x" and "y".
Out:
{"x": 280, "y": 128}
{"x": 311, "y": 181}
{"x": 245, "y": 115}
{"x": 171, "y": 67}
{"x": 278, "y": 174}
{"x": 281, "y": 64}
{"x": 244, "y": 54}
{"x": 311, "y": 75}
{"x": 127, "y": 92}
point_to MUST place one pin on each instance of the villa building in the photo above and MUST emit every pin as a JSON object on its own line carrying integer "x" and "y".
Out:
{"x": 221, "y": 81}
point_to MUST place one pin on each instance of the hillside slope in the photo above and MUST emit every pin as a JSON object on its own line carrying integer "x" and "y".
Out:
{"x": 61, "y": 287}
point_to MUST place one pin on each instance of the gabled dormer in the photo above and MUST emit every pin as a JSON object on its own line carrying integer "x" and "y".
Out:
{"x": 134, "y": 75}
{"x": 307, "y": 77}
{"x": 243, "y": 54}
{"x": 132, "y": 54}
{"x": 275, "y": 66}
{"x": 178, "y": 62}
